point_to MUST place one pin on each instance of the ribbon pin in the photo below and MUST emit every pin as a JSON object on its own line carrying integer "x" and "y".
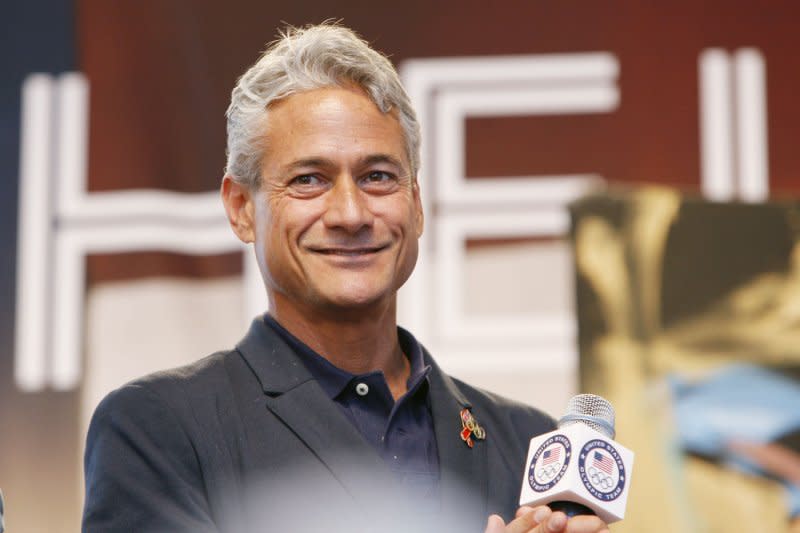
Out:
{"x": 470, "y": 428}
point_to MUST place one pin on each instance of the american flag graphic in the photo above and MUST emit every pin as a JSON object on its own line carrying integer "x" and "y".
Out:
{"x": 551, "y": 455}
{"x": 603, "y": 462}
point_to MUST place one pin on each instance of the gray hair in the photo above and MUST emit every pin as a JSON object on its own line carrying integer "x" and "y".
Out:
{"x": 303, "y": 59}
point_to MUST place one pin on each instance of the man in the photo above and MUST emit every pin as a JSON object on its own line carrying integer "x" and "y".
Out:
{"x": 326, "y": 415}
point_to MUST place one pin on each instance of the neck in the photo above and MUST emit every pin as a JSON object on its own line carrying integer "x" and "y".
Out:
{"x": 357, "y": 341}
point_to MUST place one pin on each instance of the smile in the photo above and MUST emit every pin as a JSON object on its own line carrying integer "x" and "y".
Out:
{"x": 349, "y": 252}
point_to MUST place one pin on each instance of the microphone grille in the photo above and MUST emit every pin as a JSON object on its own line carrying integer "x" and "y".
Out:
{"x": 592, "y": 410}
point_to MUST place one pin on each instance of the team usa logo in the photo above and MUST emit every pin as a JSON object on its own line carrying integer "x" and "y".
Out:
{"x": 549, "y": 463}
{"x": 602, "y": 470}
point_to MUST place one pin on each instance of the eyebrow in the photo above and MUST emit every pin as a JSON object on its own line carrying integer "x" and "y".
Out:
{"x": 309, "y": 162}
{"x": 382, "y": 158}
{"x": 325, "y": 162}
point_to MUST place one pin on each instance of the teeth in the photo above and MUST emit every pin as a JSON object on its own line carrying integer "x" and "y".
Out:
{"x": 348, "y": 253}
{"x": 351, "y": 252}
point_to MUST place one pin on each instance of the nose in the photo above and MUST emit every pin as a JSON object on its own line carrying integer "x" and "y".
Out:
{"x": 347, "y": 206}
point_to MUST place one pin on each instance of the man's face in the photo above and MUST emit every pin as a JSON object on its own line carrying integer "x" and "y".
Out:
{"x": 337, "y": 217}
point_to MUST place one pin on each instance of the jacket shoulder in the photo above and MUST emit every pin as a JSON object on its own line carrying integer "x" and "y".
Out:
{"x": 207, "y": 371}
{"x": 165, "y": 438}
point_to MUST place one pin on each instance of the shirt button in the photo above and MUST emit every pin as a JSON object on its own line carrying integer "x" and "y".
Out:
{"x": 362, "y": 389}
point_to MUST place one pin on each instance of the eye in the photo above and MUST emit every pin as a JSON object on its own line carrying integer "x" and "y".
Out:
{"x": 379, "y": 181}
{"x": 307, "y": 185}
{"x": 306, "y": 180}
{"x": 378, "y": 176}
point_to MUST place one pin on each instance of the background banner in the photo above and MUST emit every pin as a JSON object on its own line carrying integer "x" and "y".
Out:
{"x": 117, "y": 259}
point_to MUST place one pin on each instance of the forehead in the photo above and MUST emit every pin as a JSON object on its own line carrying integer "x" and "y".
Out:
{"x": 334, "y": 123}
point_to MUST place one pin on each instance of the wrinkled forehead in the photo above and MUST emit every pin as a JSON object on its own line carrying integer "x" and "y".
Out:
{"x": 335, "y": 123}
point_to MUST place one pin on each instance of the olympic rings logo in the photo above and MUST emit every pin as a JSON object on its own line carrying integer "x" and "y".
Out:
{"x": 600, "y": 479}
{"x": 546, "y": 473}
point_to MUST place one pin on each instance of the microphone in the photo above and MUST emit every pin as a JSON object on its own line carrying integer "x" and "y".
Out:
{"x": 578, "y": 468}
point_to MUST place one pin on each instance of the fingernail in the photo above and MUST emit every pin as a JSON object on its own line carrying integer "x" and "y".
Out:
{"x": 557, "y": 522}
{"x": 541, "y": 514}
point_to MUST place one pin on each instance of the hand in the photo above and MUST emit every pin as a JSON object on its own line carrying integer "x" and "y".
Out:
{"x": 542, "y": 520}
{"x": 775, "y": 459}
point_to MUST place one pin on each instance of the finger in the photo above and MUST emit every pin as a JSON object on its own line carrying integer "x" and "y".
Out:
{"x": 549, "y": 522}
{"x": 586, "y": 524}
{"x": 495, "y": 524}
{"x": 540, "y": 513}
{"x": 555, "y": 523}
{"x": 525, "y": 509}
{"x": 523, "y": 523}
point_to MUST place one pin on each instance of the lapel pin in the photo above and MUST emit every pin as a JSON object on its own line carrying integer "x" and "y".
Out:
{"x": 470, "y": 428}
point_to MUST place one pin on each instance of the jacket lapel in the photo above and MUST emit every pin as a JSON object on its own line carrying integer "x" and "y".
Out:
{"x": 464, "y": 482}
{"x": 298, "y": 401}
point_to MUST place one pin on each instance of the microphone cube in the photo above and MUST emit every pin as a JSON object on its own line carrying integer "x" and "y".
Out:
{"x": 581, "y": 465}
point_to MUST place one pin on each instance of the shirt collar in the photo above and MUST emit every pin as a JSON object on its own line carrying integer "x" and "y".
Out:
{"x": 333, "y": 379}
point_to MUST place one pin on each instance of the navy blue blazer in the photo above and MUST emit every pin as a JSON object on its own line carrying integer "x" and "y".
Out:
{"x": 247, "y": 440}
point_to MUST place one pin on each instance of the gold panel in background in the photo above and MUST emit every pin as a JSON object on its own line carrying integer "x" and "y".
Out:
{"x": 670, "y": 287}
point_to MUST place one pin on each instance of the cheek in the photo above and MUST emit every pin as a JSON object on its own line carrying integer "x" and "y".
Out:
{"x": 412, "y": 242}
{"x": 408, "y": 260}
{"x": 402, "y": 221}
{"x": 270, "y": 245}
{"x": 290, "y": 222}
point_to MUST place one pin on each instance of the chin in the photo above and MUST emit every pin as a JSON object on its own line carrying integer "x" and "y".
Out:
{"x": 356, "y": 297}
{"x": 354, "y": 301}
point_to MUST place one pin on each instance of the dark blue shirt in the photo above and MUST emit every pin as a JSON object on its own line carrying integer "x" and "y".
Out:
{"x": 401, "y": 431}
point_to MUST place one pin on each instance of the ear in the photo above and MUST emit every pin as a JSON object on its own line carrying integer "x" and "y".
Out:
{"x": 420, "y": 216}
{"x": 238, "y": 202}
